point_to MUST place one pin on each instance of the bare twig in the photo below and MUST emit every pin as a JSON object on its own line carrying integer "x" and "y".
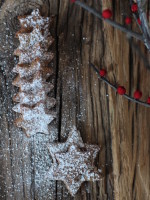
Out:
{"x": 109, "y": 21}
{"x": 115, "y": 88}
{"x": 144, "y": 22}
{"x": 145, "y": 38}
{"x": 135, "y": 17}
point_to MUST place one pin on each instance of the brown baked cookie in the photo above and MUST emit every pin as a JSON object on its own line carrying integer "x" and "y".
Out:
{"x": 34, "y": 120}
{"x": 28, "y": 70}
{"x": 73, "y": 162}
{"x": 34, "y": 105}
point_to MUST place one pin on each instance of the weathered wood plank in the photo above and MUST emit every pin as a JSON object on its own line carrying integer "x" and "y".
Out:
{"x": 27, "y": 160}
{"x": 120, "y": 127}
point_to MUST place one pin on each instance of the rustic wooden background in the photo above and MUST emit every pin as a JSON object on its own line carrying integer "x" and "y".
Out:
{"x": 121, "y": 128}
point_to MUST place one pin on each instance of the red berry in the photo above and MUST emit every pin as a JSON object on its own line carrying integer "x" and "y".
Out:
{"x": 137, "y": 94}
{"x": 102, "y": 72}
{"x": 139, "y": 21}
{"x": 148, "y": 100}
{"x": 72, "y": 1}
{"x": 121, "y": 90}
{"x": 128, "y": 20}
{"x": 106, "y": 14}
{"x": 134, "y": 7}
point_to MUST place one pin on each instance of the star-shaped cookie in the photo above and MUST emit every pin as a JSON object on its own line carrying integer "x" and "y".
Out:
{"x": 34, "y": 120}
{"x": 28, "y": 70}
{"x": 73, "y": 162}
{"x": 35, "y": 103}
{"x": 31, "y": 21}
{"x": 34, "y": 85}
{"x": 28, "y": 40}
{"x": 37, "y": 51}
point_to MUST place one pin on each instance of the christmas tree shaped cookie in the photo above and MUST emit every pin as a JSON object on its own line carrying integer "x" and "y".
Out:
{"x": 34, "y": 105}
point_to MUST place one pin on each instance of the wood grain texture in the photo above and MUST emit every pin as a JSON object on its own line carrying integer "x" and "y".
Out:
{"x": 119, "y": 127}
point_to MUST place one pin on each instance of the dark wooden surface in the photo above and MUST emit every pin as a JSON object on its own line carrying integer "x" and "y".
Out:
{"x": 119, "y": 127}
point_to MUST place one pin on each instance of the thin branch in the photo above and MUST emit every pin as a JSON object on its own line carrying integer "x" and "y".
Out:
{"x": 134, "y": 15}
{"x": 115, "y": 88}
{"x": 144, "y": 23}
{"x": 111, "y": 22}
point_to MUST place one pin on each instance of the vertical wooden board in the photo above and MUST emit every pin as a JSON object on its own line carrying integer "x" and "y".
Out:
{"x": 25, "y": 161}
{"x": 119, "y": 127}
{"x": 80, "y": 43}
{"x": 129, "y": 127}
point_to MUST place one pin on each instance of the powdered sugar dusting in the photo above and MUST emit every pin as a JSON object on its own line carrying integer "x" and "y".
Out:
{"x": 33, "y": 120}
{"x": 73, "y": 162}
{"x": 32, "y": 99}
{"x": 34, "y": 85}
{"x": 33, "y": 20}
{"x": 28, "y": 70}
{"x": 27, "y": 56}
{"x": 36, "y": 36}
